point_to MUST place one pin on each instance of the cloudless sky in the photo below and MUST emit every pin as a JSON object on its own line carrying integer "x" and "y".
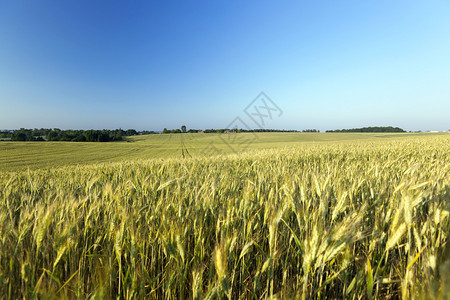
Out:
{"x": 155, "y": 64}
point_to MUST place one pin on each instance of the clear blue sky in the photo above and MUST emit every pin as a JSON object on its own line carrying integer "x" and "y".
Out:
{"x": 154, "y": 64}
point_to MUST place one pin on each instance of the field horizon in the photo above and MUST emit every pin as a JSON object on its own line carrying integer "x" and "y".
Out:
{"x": 36, "y": 155}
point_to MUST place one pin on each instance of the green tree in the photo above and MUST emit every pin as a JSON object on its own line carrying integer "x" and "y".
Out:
{"x": 183, "y": 128}
{"x": 131, "y": 132}
{"x": 20, "y": 136}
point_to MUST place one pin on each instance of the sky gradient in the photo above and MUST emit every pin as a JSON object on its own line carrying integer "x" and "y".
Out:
{"x": 155, "y": 64}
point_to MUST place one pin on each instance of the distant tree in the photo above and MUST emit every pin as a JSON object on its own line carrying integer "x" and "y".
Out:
{"x": 145, "y": 132}
{"x": 91, "y": 135}
{"x": 131, "y": 132}
{"x": 165, "y": 130}
{"x": 19, "y": 136}
{"x": 63, "y": 135}
{"x": 80, "y": 138}
{"x": 183, "y": 128}
{"x": 371, "y": 129}
{"x": 52, "y": 135}
{"x": 103, "y": 137}
{"x": 117, "y": 136}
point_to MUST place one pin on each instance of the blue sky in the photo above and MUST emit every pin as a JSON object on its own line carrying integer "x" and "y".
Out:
{"x": 154, "y": 64}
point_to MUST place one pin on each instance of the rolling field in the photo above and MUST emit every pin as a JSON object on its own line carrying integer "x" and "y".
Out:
{"x": 16, "y": 156}
{"x": 291, "y": 216}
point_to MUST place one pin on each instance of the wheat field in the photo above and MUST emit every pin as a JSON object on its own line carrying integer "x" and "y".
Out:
{"x": 16, "y": 156}
{"x": 361, "y": 220}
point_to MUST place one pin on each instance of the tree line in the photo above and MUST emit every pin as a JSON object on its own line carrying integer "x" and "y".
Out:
{"x": 56, "y": 134}
{"x": 370, "y": 129}
{"x": 222, "y": 130}
{"x": 105, "y": 135}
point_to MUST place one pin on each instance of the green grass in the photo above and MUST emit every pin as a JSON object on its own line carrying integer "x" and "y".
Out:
{"x": 297, "y": 216}
{"x": 37, "y": 155}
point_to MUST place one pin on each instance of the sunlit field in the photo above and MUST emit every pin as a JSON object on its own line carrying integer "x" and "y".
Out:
{"x": 288, "y": 216}
{"x": 16, "y": 156}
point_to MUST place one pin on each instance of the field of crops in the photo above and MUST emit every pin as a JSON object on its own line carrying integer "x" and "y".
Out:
{"x": 364, "y": 219}
{"x": 16, "y": 156}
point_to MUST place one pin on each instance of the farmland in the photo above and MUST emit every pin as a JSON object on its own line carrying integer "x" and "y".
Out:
{"x": 37, "y": 155}
{"x": 284, "y": 216}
